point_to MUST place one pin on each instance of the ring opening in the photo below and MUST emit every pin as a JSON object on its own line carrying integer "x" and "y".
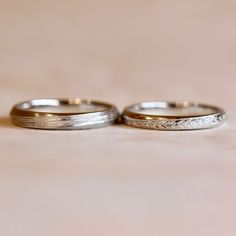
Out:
{"x": 62, "y": 106}
{"x": 172, "y": 109}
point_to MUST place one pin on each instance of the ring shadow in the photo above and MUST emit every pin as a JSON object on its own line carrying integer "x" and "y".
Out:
{"x": 5, "y": 122}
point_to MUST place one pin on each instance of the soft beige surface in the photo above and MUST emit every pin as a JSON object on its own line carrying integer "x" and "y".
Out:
{"x": 118, "y": 180}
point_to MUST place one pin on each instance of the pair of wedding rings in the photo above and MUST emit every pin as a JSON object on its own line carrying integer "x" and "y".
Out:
{"x": 75, "y": 113}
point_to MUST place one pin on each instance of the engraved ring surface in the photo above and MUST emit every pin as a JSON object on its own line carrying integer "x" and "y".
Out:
{"x": 47, "y": 114}
{"x": 161, "y": 115}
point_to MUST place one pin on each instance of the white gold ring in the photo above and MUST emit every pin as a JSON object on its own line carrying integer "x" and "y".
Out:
{"x": 64, "y": 114}
{"x": 161, "y": 115}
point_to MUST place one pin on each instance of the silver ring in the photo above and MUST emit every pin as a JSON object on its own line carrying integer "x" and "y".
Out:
{"x": 63, "y": 114}
{"x": 161, "y": 115}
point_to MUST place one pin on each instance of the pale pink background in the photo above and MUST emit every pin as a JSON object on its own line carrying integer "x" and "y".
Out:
{"x": 118, "y": 180}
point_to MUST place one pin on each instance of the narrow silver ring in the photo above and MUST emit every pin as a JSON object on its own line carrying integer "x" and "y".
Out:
{"x": 173, "y": 116}
{"x": 30, "y": 114}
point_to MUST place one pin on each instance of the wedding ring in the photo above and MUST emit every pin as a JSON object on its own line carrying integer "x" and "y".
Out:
{"x": 161, "y": 115}
{"x": 63, "y": 114}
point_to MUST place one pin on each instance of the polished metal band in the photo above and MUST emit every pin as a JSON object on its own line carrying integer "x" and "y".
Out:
{"x": 100, "y": 114}
{"x": 135, "y": 116}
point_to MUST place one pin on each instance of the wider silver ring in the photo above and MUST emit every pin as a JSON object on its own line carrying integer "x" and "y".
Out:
{"x": 77, "y": 114}
{"x": 161, "y": 115}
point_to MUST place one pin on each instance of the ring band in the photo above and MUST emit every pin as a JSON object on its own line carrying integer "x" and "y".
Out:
{"x": 30, "y": 114}
{"x": 189, "y": 116}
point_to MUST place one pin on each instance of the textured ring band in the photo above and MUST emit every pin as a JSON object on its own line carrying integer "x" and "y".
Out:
{"x": 94, "y": 114}
{"x": 189, "y": 116}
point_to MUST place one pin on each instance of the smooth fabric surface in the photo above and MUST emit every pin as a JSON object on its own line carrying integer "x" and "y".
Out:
{"x": 118, "y": 180}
